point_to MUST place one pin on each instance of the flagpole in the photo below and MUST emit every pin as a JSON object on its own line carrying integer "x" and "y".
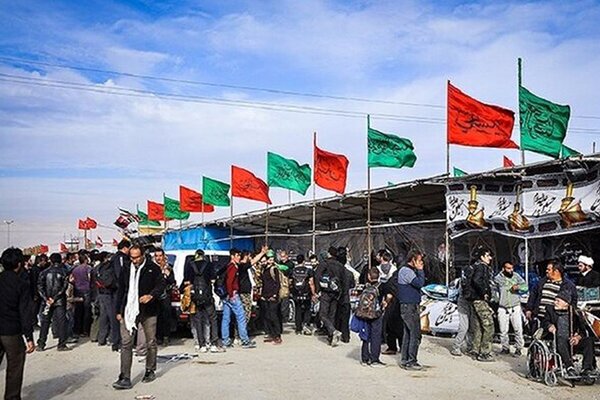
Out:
{"x": 520, "y": 79}
{"x": 314, "y": 207}
{"x": 289, "y": 197}
{"x": 369, "y": 245}
{"x": 267, "y": 225}
{"x": 446, "y": 234}
{"x": 231, "y": 223}
{"x": 203, "y": 226}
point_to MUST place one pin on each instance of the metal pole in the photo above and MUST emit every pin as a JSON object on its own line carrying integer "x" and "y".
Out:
{"x": 593, "y": 147}
{"x": 369, "y": 244}
{"x": 520, "y": 78}
{"x": 203, "y": 227}
{"x": 267, "y": 226}
{"x": 314, "y": 207}
{"x": 231, "y": 224}
{"x": 446, "y": 234}
{"x": 8, "y": 224}
{"x": 527, "y": 262}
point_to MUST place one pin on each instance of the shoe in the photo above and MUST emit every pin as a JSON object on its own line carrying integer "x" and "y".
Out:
{"x": 297, "y": 332}
{"x": 115, "y": 347}
{"x": 472, "y": 353}
{"x": 149, "y": 376}
{"x": 63, "y": 348}
{"x": 505, "y": 351}
{"x": 227, "y": 344}
{"x": 485, "y": 358}
{"x": 365, "y": 363}
{"x": 378, "y": 364}
{"x": 122, "y": 384}
{"x": 306, "y": 331}
{"x": 389, "y": 352}
{"x": 414, "y": 367}
{"x": 196, "y": 347}
{"x": 203, "y": 349}
{"x": 268, "y": 339}
{"x": 571, "y": 372}
{"x": 517, "y": 353}
{"x": 100, "y": 344}
{"x": 72, "y": 340}
{"x": 215, "y": 349}
{"x": 456, "y": 352}
{"x": 277, "y": 340}
{"x": 249, "y": 345}
{"x": 335, "y": 339}
{"x": 41, "y": 347}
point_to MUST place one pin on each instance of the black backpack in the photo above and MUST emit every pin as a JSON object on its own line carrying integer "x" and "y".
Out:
{"x": 105, "y": 276}
{"x": 368, "y": 304}
{"x": 300, "y": 287}
{"x": 202, "y": 294}
{"x": 220, "y": 288}
{"x": 328, "y": 283}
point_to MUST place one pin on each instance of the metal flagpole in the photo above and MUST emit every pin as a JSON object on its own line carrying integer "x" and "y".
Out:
{"x": 267, "y": 225}
{"x": 231, "y": 223}
{"x": 519, "y": 66}
{"x": 203, "y": 226}
{"x": 289, "y": 197}
{"x": 527, "y": 262}
{"x": 314, "y": 210}
{"x": 369, "y": 245}
{"x": 447, "y": 235}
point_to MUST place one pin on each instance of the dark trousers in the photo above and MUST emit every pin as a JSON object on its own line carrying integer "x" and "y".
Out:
{"x": 82, "y": 314}
{"x": 412, "y": 333}
{"x": 371, "y": 349}
{"x": 393, "y": 327}
{"x": 148, "y": 325}
{"x": 205, "y": 324}
{"x": 272, "y": 317}
{"x": 327, "y": 311}
{"x": 302, "y": 317}
{"x": 163, "y": 329}
{"x": 58, "y": 314}
{"x": 585, "y": 347}
{"x": 108, "y": 319}
{"x": 342, "y": 321}
{"x": 14, "y": 348}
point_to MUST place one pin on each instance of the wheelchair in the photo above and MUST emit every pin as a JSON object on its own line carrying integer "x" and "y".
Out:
{"x": 544, "y": 364}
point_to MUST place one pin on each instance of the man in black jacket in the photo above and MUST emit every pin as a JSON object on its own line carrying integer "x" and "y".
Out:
{"x": 16, "y": 321}
{"x": 329, "y": 284}
{"x": 589, "y": 278}
{"x": 569, "y": 327}
{"x": 546, "y": 290}
{"x": 118, "y": 262}
{"x": 480, "y": 294}
{"x": 52, "y": 287}
{"x": 140, "y": 287}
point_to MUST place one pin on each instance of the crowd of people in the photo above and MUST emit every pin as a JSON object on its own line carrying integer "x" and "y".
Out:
{"x": 124, "y": 300}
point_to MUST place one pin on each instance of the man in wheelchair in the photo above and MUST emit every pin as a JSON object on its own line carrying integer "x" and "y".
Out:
{"x": 571, "y": 332}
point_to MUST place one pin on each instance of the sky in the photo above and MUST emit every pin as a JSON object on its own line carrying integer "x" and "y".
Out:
{"x": 67, "y": 154}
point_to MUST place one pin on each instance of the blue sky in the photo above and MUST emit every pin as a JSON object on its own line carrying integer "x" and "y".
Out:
{"x": 65, "y": 154}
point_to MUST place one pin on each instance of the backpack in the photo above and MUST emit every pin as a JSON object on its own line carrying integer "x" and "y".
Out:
{"x": 202, "y": 293}
{"x": 284, "y": 285}
{"x": 220, "y": 288}
{"x": 105, "y": 276}
{"x": 300, "y": 287}
{"x": 329, "y": 284}
{"x": 368, "y": 307}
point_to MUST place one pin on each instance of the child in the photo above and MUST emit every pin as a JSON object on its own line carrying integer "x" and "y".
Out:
{"x": 368, "y": 317}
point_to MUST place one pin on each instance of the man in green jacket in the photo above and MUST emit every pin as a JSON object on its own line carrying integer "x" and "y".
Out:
{"x": 510, "y": 287}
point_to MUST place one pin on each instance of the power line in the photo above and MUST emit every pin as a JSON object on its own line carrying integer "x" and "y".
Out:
{"x": 141, "y": 93}
{"x": 219, "y": 85}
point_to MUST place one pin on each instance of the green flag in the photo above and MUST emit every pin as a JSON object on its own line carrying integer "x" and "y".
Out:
{"x": 172, "y": 210}
{"x": 391, "y": 151}
{"x": 543, "y": 124}
{"x": 215, "y": 192}
{"x": 144, "y": 219}
{"x": 459, "y": 172}
{"x": 566, "y": 152}
{"x": 288, "y": 174}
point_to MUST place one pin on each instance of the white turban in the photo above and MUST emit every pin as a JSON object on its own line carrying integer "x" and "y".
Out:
{"x": 586, "y": 260}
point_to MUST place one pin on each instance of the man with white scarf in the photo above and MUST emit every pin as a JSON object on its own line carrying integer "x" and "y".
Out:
{"x": 140, "y": 287}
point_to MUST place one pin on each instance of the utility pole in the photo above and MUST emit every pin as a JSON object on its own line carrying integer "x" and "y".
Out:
{"x": 8, "y": 224}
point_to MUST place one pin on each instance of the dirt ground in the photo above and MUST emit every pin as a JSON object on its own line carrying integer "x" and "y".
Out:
{"x": 301, "y": 368}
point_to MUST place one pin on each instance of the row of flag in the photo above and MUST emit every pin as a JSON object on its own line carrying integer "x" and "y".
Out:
{"x": 63, "y": 248}
{"x": 470, "y": 122}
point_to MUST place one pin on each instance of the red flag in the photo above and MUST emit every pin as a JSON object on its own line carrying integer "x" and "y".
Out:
{"x": 44, "y": 248}
{"x": 331, "y": 170}
{"x": 507, "y": 162}
{"x": 191, "y": 201}
{"x": 99, "y": 242}
{"x": 115, "y": 243}
{"x": 81, "y": 224}
{"x": 473, "y": 123}
{"x": 247, "y": 185}
{"x": 91, "y": 224}
{"x": 63, "y": 248}
{"x": 156, "y": 211}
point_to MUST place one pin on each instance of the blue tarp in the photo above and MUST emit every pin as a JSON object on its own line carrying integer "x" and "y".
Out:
{"x": 195, "y": 238}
